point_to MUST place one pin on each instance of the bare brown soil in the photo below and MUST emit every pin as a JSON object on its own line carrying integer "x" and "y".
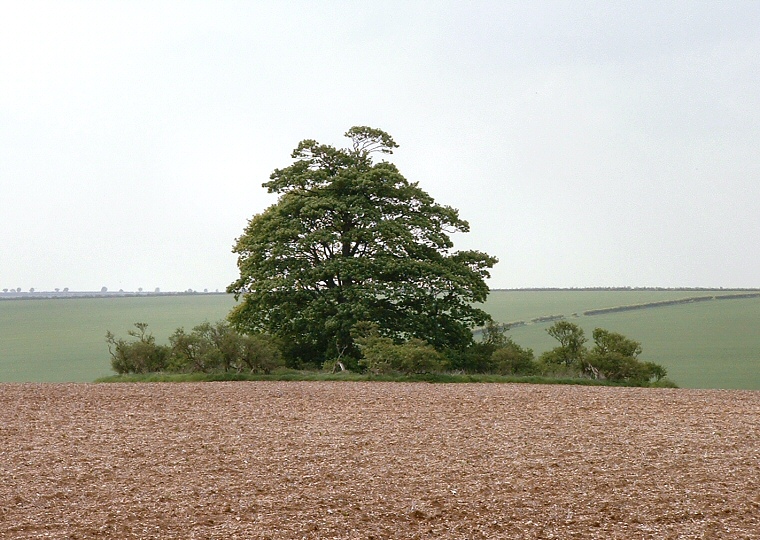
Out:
{"x": 377, "y": 460}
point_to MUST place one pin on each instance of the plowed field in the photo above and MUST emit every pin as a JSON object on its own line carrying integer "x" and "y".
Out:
{"x": 377, "y": 460}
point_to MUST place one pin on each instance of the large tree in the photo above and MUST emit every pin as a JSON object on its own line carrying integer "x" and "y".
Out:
{"x": 351, "y": 240}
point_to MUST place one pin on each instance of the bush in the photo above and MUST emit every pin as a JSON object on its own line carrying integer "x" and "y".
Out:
{"x": 420, "y": 357}
{"x": 140, "y": 356}
{"x": 482, "y": 357}
{"x": 259, "y": 353}
{"x": 206, "y": 349}
{"x": 220, "y": 348}
{"x": 615, "y": 357}
{"x": 615, "y": 366}
{"x": 655, "y": 371}
{"x": 474, "y": 359}
{"x": 556, "y": 370}
{"x": 193, "y": 352}
{"x": 511, "y": 359}
{"x": 380, "y": 355}
{"x": 663, "y": 383}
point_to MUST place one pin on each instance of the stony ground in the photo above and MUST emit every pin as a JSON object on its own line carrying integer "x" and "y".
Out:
{"x": 377, "y": 460}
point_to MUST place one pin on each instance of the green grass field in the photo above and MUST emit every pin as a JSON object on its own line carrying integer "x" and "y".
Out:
{"x": 714, "y": 344}
{"x": 711, "y": 344}
{"x": 63, "y": 340}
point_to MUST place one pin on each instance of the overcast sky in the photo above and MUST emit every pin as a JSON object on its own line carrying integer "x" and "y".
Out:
{"x": 587, "y": 143}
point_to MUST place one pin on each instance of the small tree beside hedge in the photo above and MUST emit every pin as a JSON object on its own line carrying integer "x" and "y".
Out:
{"x": 613, "y": 357}
{"x": 141, "y": 355}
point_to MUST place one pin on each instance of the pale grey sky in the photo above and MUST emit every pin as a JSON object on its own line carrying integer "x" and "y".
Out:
{"x": 587, "y": 143}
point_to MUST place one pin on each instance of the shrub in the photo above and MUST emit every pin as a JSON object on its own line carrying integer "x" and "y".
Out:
{"x": 615, "y": 357}
{"x": 220, "y": 348}
{"x": 655, "y": 371}
{"x": 208, "y": 348}
{"x": 511, "y": 359}
{"x": 194, "y": 351}
{"x": 556, "y": 370}
{"x": 259, "y": 353}
{"x": 615, "y": 366}
{"x": 419, "y": 357}
{"x": 381, "y": 355}
{"x": 139, "y": 356}
{"x": 479, "y": 357}
{"x": 474, "y": 359}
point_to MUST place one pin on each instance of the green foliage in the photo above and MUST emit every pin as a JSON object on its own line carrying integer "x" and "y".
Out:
{"x": 497, "y": 353}
{"x": 259, "y": 353}
{"x": 352, "y": 240}
{"x": 511, "y": 359}
{"x": 546, "y": 367}
{"x": 476, "y": 358}
{"x": 571, "y": 350}
{"x": 617, "y": 367}
{"x": 702, "y": 344}
{"x": 613, "y": 357}
{"x": 380, "y": 355}
{"x": 193, "y": 352}
{"x": 206, "y": 349}
{"x": 141, "y": 355}
{"x": 663, "y": 383}
{"x": 495, "y": 335}
{"x": 655, "y": 371}
{"x": 420, "y": 357}
{"x": 606, "y": 342}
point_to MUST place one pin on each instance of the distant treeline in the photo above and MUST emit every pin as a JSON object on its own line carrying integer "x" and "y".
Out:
{"x": 48, "y": 295}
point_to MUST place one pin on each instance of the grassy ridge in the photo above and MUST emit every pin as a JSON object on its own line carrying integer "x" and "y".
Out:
{"x": 702, "y": 344}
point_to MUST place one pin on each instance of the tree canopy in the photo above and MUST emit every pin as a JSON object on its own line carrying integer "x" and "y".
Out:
{"x": 351, "y": 240}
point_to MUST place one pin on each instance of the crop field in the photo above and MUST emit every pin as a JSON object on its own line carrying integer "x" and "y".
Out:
{"x": 711, "y": 344}
{"x": 706, "y": 344}
{"x": 377, "y": 461}
{"x": 63, "y": 340}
